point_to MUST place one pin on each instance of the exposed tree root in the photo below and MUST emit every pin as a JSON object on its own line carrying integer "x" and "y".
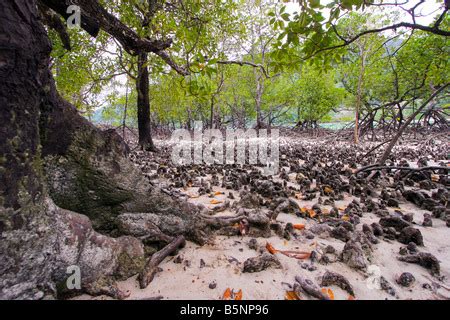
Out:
{"x": 150, "y": 269}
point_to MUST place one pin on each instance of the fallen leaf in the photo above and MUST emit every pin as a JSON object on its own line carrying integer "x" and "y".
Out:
{"x": 218, "y": 193}
{"x": 341, "y": 209}
{"x": 301, "y": 255}
{"x": 299, "y": 226}
{"x": 238, "y": 295}
{"x": 227, "y": 294}
{"x": 328, "y": 292}
{"x": 435, "y": 178}
{"x": 270, "y": 248}
{"x": 214, "y": 201}
{"x": 291, "y": 295}
{"x": 312, "y": 213}
{"x": 326, "y": 211}
{"x": 327, "y": 190}
{"x": 350, "y": 297}
{"x": 346, "y": 218}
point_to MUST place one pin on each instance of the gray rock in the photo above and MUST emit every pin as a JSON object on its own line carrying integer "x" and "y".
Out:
{"x": 410, "y": 234}
{"x": 260, "y": 263}
{"x": 406, "y": 279}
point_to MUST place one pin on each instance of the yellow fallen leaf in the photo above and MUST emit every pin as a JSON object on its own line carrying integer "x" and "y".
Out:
{"x": 214, "y": 201}
{"x": 346, "y": 218}
{"x": 238, "y": 295}
{"x": 291, "y": 295}
{"x": 341, "y": 209}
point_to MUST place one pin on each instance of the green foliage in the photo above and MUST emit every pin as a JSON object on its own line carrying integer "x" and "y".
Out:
{"x": 311, "y": 71}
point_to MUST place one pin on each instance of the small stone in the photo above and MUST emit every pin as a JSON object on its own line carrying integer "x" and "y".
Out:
{"x": 212, "y": 285}
{"x": 427, "y": 221}
{"x": 392, "y": 203}
{"x": 308, "y": 235}
{"x": 330, "y": 249}
{"x": 377, "y": 229}
{"x": 261, "y": 263}
{"x": 412, "y": 247}
{"x": 341, "y": 233}
{"x": 353, "y": 255}
{"x": 386, "y": 286}
{"x": 411, "y": 234}
{"x": 312, "y": 268}
{"x": 253, "y": 244}
{"x": 406, "y": 279}
{"x": 394, "y": 222}
{"x": 403, "y": 251}
{"x": 324, "y": 260}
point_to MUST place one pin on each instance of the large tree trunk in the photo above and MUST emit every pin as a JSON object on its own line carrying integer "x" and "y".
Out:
{"x": 39, "y": 240}
{"x": 143, "y": 104}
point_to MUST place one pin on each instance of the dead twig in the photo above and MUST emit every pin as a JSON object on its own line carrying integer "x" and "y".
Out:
{"x": 150, "y": 269}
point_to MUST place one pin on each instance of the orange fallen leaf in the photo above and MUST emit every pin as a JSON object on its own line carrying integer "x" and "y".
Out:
{"x": 312, "y": 213}
{"x": 291, "y": 295}
{"x": 327, "y": 190}
{"x": 214, "y": 201}
{"x": 435, "y": 178}
{"x": 227, "y": 294}
{"x": 304, "y": 210}
{"x": 341, "y": 209}
{"x": 291, "y": 254}
{"x": 350, "y": 297}
{"x": 328, "y": 292}
{"x": 270, "y": 248}
{"x": 218, "y": 193}
{"x": 238, "y": 295}
{"x": 299, "y": 226}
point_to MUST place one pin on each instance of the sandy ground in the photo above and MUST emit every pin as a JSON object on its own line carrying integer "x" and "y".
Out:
{"x": 221, "y": 262}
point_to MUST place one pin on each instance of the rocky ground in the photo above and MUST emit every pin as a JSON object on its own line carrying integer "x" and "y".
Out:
{"x": 333, "y": 233}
